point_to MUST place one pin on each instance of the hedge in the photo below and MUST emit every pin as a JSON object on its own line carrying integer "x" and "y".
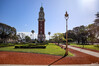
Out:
{"x": 36, "y": 46}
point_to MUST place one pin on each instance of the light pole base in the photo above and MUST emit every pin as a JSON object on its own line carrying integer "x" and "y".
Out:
{"x": 65, "y": 55}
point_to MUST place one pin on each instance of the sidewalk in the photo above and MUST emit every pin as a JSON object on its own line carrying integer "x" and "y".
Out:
{"x": 96, "y": 54}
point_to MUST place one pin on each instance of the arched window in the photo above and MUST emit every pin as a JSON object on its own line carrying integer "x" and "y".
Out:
{"x": 41, "y": 24}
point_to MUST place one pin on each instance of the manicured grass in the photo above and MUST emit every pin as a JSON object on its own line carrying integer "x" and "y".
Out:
{"x": 50, "y": 49}
{"x": 95, "y": 47}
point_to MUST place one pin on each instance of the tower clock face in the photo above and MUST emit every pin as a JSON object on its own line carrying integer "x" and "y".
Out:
{"x": 41, "y": 15}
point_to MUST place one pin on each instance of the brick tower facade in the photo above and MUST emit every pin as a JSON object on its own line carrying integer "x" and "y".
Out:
{"x": 41, "y": 25}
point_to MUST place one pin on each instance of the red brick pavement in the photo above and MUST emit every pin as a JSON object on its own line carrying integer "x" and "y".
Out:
{"x": 44, "y": 59}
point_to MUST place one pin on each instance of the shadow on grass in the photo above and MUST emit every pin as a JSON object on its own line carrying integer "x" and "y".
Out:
{"x": 97, "y": 46}
{"x": 57, "y": 60}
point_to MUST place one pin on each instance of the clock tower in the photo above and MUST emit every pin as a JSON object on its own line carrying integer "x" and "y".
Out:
{"x": 41, "y": 25}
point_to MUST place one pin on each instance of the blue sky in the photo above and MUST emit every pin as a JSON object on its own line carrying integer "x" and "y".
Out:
{"x": 23, "y": 14}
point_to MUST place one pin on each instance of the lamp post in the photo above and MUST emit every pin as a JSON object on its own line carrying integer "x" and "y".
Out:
{"x": 66, "y": 17}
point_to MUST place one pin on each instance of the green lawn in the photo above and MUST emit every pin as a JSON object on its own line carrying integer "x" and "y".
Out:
{"x": 50, "y": 49}
{"x": 95, "y": 47}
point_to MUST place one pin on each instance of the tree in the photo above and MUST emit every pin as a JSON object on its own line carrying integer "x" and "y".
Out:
{"x": 32, "y": 33}
{"x": 77, "y": 34}
{"x": 58, "y": 37}
{"x": 71, "y": 36}
{"x": 49, "y": 34}
{"x": 27, "y": 39}
{"x": 7, "y": 32}
{"x": 81, "y": 34}
{"x": 93, "y": 30}
{"x": 96, "y": 23}
{"x": 22, "y": 36}
{"x": 91, "y": 33}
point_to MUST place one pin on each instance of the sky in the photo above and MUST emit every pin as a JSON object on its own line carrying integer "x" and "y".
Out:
{"x": 23, "y": 14}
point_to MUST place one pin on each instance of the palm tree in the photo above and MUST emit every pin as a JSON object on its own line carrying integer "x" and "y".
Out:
{"x": 32, "y": 33}
{"x": 49, "y": 34}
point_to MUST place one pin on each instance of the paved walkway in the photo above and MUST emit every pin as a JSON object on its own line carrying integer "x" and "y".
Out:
{"x": 96, "y": 54}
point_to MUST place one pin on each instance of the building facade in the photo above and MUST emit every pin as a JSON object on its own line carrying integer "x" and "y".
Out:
{"x": 41, "y": 25}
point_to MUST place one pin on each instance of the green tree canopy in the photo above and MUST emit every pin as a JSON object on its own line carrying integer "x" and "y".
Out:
{"x": 27, "y": 39}
{"x": 6, "y": 32}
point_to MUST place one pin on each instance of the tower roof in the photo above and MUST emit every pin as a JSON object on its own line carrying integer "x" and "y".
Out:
{"x": 41, "y": 8}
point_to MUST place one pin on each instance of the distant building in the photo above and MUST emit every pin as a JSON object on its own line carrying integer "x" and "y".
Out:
{"x": 41, "y": 25}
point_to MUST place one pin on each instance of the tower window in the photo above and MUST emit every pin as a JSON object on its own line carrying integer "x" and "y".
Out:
{"x": 41, "y": 32}
{"x": 41, "y": 28}
{"x": 41, "y": 24}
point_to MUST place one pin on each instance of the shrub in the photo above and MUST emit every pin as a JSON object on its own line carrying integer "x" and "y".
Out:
{"x": 30, "y": 46}
{"x": 10, "y": 44}
{"x": 6, "y": 45}
{"x": 17, "y": 46}
{"x": 42, "y": 43}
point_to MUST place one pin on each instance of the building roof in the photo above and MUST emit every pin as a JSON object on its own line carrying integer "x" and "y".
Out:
{"x": 41, "y": 8}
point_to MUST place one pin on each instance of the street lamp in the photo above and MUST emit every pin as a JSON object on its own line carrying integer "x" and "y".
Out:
{"x": 66, "y": 17}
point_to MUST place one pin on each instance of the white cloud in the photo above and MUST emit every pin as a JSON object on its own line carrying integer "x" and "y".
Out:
{"x": 89, "y": 5}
